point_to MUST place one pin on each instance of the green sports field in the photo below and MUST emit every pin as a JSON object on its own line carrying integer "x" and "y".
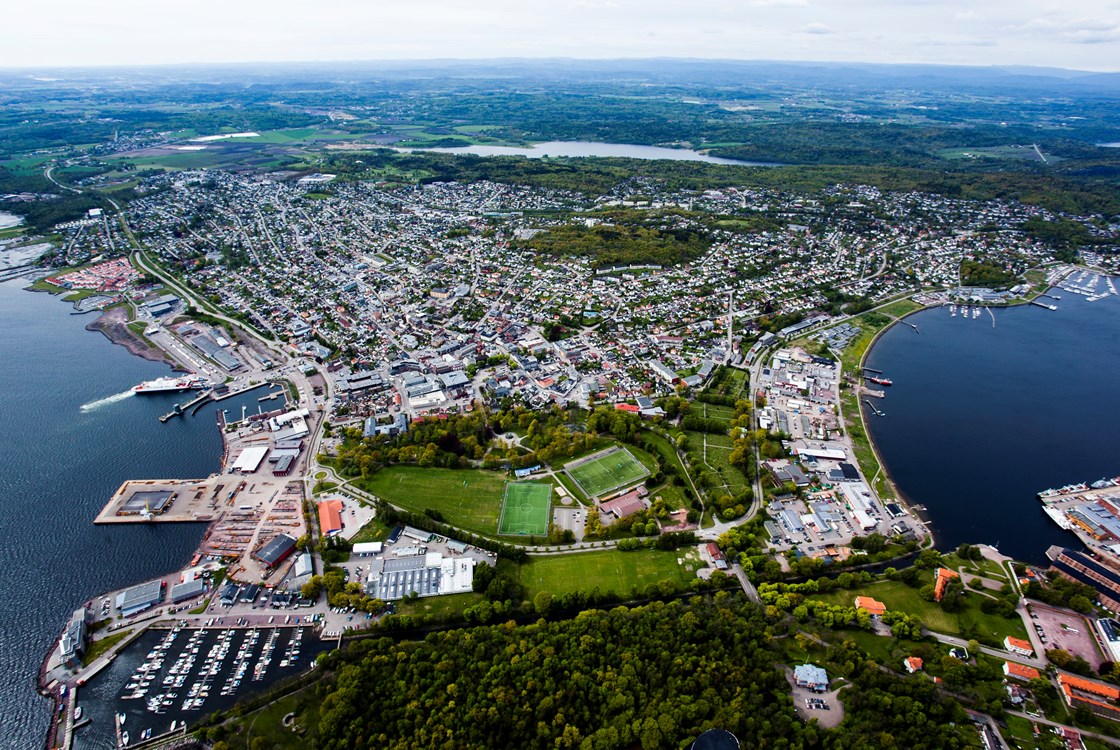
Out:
{"x": 605, "y": 473}
{"x": 525, "y": 508}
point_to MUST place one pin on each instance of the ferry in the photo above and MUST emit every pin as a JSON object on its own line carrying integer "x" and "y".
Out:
{"x": 880, "y": 381}
{"x": 169, "y": 385}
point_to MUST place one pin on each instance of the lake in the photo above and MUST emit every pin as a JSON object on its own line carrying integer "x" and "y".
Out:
{"x": 7, "y": 220}
{"x": 590, "y": 148}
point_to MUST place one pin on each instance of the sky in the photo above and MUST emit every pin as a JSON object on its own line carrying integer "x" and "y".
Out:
{"x": 1080, "y": 34}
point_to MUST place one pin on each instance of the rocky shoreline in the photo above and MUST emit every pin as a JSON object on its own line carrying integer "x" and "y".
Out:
{"x": 113, "y": 324}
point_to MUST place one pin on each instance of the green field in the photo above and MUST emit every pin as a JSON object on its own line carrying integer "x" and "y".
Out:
{"x": 525, "y": 508}
{"x": 969, "y": 622}
{"x": 601, "y": 475}
{"x": 468, "y": 498}
{"x": 609, "y": 570}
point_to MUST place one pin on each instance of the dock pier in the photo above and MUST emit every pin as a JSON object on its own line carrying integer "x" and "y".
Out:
{"x": 871, "y": 406}
{"x": 872, "y": 370}
{"x": 1043, "y": 305}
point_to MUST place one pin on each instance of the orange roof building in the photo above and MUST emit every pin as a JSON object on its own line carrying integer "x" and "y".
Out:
{"x": 871, "y": 606}
{"x": 1019, "y": 672}
{"x": 1018, "y": 646}
{"x": 1095, "y": 695}
{"x": 330, "y": 517}
{"x": 913, "y": 664}
{"x": 944, "y": 575}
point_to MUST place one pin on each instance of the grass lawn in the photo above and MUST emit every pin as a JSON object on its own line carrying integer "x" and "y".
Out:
{"x": 268, "y": 721}
{"x": 525, "y": 508}
{"x": 716, "y": 456}
{"x": 609, "y": 570}
{"x": 712, "y": 411}
{"x": 100, "y": 646}
{"x": 601, "y": 475}
{"x": 374, "y": 531}
{"x": 438, "y": 606}
{"x": 467, "y": 498}
{"x": 672, "y": 495}
{"x": 861, "y": 444}
{"x": 901, "y": 307}
{"x": 967, "y": 623}
{"x": 571, "y": 487}
{"x": 883, "y": 649}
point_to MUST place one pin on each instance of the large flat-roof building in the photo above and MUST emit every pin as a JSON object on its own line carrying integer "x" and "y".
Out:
{"x": 250, "y": 459}
{"x": 276, "y": 550}
{"x": 181, "y": 592}
{"x": 138, "y": 598}
{"x": 429, "y": 574}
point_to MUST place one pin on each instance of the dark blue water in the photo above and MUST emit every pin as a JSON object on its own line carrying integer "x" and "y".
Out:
{"x": 61, "y": 464}
{"x": 101, "y": 698}
{"x": 979, "y": 419}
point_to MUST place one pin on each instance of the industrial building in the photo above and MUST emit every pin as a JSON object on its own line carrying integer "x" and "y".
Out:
{"x": 138, "y": 598}
{"x": 250, "y": 459}
{"x": 276, "y": 551}
{"x": 146, "y": 501}
{"x": 428, "y": 574}
{"x": 181, "y": 592}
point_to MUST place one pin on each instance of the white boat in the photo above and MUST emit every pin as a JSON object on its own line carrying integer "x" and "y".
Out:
{"x": 77, "y": 713}
{"x": 124, "y": 739}
{"x": 121, "y": 717}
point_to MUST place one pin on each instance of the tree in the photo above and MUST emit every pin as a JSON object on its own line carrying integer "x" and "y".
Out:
{"x": 542, "y": 603}
{"x": 1080, "y": 603}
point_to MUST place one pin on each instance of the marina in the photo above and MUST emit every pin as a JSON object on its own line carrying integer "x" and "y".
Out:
{"x": 169, "y": 678}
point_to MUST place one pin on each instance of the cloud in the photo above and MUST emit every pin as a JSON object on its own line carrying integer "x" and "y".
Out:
{"x": 817, "y": 28}
{"x": 1073, "y": 31}
{"x": 776, "y": 3}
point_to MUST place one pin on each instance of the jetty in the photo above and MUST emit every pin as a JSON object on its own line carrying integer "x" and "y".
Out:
{"x": 1043, "y": 305}
{"x": 871, "y": 406}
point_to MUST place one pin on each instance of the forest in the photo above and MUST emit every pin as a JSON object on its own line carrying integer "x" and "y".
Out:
{"x": 652, "y": 677}
{"x": 618, "y": 244}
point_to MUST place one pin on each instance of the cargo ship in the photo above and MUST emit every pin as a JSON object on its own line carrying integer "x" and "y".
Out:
{"x": 880, "y": 381}
{"x": 169, "y": 385}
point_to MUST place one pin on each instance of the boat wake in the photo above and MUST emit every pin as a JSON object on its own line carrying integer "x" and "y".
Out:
{"x": 92, "y": 405}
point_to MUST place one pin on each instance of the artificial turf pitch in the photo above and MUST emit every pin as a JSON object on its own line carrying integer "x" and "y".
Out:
{"x": 605, "y": 473}
{"x": 525, "y": 508}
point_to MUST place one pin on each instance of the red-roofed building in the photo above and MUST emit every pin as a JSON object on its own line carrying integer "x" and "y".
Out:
{"x": 1019, "y": 672}
{"x": 330, "y": 517}
{"x": 871, "y": 606}
{"x": 624, "y": 505}
{"x": 944, "y": 575}
{"x": 1018, "y": 646}
{"x": 913, "y": 664}
{"x": 631, "y": 408}
{"x": 1096, "y": 696}
{"x": 717, "y": 556}
{"x": 1071, "y": 736}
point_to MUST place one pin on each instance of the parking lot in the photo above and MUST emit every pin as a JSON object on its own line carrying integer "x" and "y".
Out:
{"x": 573, "y": 519}
{"x": 826, "y": 708}
{"x": 1067, "y": 631}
